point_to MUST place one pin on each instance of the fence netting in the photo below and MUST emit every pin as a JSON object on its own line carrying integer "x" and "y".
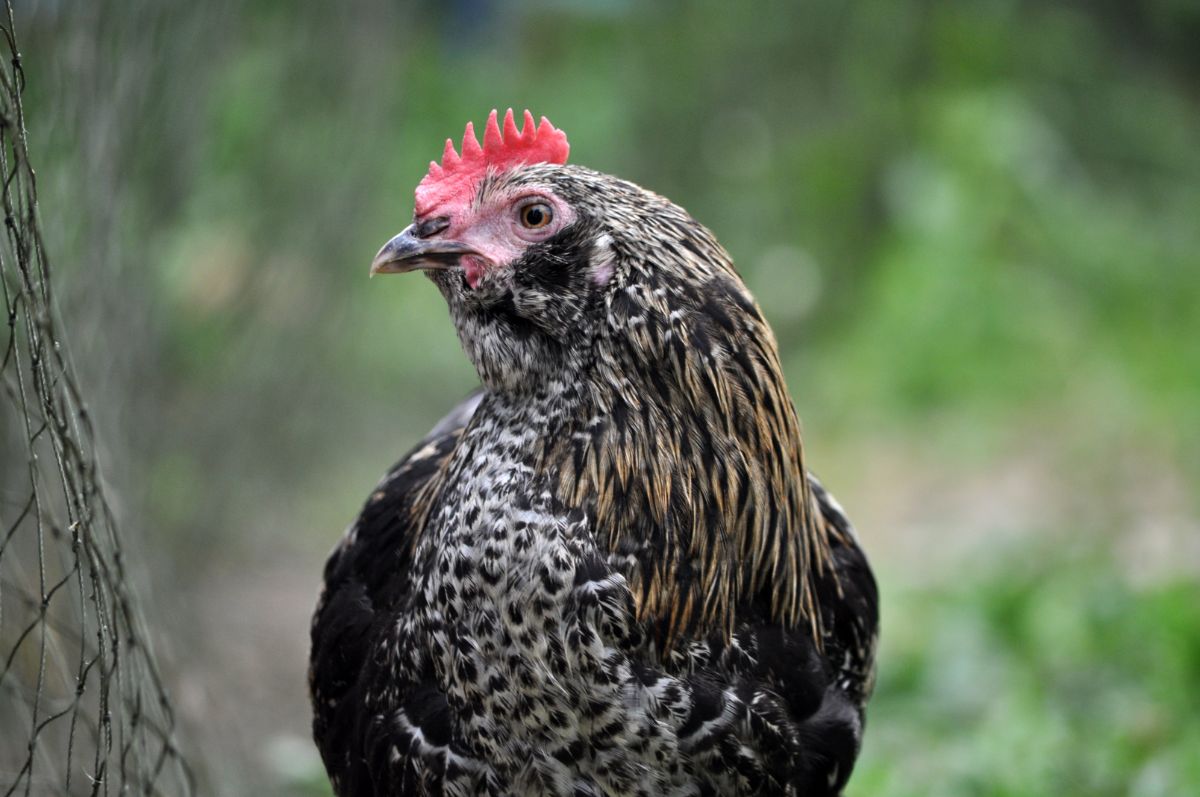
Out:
{"x": 83, "y": 708}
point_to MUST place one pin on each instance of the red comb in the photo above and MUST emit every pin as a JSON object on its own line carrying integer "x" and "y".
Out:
{"x": 543, "y": 143}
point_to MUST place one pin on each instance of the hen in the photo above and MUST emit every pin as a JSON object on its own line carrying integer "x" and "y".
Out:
{"x": 608, "y": 571}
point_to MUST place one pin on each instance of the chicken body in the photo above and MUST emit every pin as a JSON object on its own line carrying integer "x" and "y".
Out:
{"x": 608, "y": 572}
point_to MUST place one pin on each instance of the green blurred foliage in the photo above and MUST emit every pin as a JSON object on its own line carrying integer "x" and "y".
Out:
{"x": 972, "y": 224}
{"x": 1044, "y": 674}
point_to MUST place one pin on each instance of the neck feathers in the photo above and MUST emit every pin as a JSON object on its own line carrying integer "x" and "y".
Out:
{"x": 686, "y": 449}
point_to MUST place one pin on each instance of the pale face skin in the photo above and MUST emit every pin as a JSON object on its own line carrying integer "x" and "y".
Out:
{"x": 499, "y": 224}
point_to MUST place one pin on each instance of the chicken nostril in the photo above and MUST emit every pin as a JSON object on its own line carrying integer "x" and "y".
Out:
{"x": 432, "y": 226}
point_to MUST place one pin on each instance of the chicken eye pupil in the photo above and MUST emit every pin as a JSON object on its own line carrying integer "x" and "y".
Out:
{"x": 534, "y": 216}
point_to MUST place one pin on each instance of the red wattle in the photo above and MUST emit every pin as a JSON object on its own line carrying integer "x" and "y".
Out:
{"x": 472, "y": 270}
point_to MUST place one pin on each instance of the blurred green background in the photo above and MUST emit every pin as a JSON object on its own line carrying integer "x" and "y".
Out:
{"x": 975, "y": 227}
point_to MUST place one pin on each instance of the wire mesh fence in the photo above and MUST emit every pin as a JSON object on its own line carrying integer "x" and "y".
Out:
{"x": 83, "y": 708}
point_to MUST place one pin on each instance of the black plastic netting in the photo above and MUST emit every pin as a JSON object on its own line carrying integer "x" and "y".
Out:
{"x": 83, "y": 709}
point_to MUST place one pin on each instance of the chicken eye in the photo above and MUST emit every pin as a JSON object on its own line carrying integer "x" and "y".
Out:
{"x": 536, "y": 215}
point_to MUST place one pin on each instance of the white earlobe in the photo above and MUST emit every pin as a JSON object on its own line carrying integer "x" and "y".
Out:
{"x": 603, "y": 260}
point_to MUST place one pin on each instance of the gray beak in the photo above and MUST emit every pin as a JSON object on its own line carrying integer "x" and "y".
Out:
{"x": 406, "y": 252}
